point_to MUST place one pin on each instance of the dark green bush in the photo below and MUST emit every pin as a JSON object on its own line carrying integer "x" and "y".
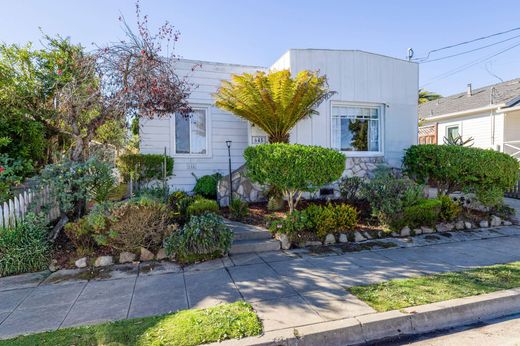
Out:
{"x": 425, "y": 213}
{"x": 143, "y": 167}
{"x": 201, "y": 206}
{"x": 13, "y": 173}
{"x": 206, "y": 185}
{"x": 349, "y": 188}
{"x": 25, "y": 248}
{"x": 238, "y": 209}
{"x": 486, "y": 173}
{"x": 203, "y": 237}
{"x": 389, "y": 194}
{"x": 293, "y": 168}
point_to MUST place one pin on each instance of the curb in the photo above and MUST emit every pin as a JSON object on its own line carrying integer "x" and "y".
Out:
{"x": 393, "y": 324}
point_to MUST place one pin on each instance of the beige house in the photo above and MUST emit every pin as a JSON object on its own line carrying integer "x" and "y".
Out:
{"x": 490, "y": 115}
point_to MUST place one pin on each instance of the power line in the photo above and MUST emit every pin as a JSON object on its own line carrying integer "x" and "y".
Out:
{"x": 465, "y": 42}
{"x": 471, "y": 64}
{"x": 470, "y": 51}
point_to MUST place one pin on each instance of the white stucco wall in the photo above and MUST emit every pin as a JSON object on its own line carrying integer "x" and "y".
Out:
{"x": 360, "y": 77}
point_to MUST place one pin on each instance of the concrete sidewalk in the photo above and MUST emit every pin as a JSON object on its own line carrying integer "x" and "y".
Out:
{"x": 287, "y": 289}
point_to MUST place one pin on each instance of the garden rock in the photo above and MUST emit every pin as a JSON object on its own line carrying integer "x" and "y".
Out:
{"x": 406, "y": 231}
{"x": 468, "y": 225}
{"x": 103, "y": 261}
{"x": 343, "y": 238}
{"x": 329, "y": 239}
{"x": 495, "y": 221}
{"x": 81, "y": 263}
{"x": 161, "y": 254}
{"x": 358, "y": 237}
{"x": 459, "y": 225}
{"x": 127, "y": 257}
{"x": 146, "y": 255}
{"x": 367, "y": 235}
{"x": 444, "y": 227}
{"x": 427, "y": 230}
{"x": 284, "y": 240}
{"x": 507, "y": 223}
{"x": 484, "y": 224}
{"x": 417, "y": 231}
{"x": 313, "y": 243}
{"x": 395, "y": 234}
{"x": 53, "y": 267}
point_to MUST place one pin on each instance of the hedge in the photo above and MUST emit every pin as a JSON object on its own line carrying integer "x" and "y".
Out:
{"x": 293, "y": 168}
{"x": 143, "y": 166}
{"x": 455, "y": 168}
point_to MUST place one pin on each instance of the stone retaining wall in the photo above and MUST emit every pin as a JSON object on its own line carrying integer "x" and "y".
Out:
{"x": 251, "y": 192}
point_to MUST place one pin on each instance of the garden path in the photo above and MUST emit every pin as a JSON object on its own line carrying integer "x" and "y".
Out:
{"x": 286, "y": 288}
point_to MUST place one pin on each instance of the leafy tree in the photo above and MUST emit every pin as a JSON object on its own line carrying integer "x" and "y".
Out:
{"x": 426, "y": 96}
{"x": 273, "y": 101}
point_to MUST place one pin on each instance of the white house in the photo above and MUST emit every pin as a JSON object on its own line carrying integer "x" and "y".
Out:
{"x": 373, "y": 90}
{"x": 490, "y": 115}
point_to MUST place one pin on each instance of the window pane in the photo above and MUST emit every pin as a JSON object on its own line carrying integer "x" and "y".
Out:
{"x": 182, "y": 134}
{"x": 198, "y": 132}
{"x": 453, "y": 132}
{"x": 355, "y": 129}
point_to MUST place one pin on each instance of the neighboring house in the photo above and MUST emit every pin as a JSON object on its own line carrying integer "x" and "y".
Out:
{"x": 490, "y": 115}
{"x": 371, "y": 118}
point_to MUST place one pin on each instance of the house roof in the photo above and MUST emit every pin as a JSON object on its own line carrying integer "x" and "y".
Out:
{"x": 505, "y": 93}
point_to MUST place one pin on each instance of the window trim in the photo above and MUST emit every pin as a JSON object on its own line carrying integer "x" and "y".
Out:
{"x": 381, "y": 107}
{"x": 173, "y": 145}
{"x": 448, "y": 127}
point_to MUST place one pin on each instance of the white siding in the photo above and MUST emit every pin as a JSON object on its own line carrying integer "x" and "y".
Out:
{"x": 512, "y": 133}
{"x": 486, "y": 129}
{"x": 157, "y": 134}
{"x": 361, "y": 77}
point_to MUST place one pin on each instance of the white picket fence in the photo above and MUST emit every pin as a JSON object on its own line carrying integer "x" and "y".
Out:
{"x": 30, "y": 200}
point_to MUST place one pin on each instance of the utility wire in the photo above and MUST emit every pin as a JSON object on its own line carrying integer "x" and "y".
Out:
{"x": 464, "y": 43}
{"x": 470, "y": 51}
{"x": 471, "y": 64}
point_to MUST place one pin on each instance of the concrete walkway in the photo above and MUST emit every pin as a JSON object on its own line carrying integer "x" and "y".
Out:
{"x": 286, "y": 288}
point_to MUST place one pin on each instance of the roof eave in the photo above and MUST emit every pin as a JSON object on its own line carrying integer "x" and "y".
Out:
{"x": 466, "y": 112}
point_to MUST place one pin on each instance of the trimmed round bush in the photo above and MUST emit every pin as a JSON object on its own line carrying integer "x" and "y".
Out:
{"x": 201, "y": 206}
{"x": 451, "y": 168}
{"x": 203, "y": 237}
{"x": 293, "y": 168}
{"x": 207, "y": 186}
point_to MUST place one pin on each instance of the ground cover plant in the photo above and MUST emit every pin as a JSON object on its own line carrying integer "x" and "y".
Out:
{"x": 402, "y": 293}
{"x": 183, "y": 328}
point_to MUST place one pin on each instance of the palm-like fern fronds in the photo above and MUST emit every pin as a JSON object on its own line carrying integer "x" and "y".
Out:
{"x": 273, "y": 101}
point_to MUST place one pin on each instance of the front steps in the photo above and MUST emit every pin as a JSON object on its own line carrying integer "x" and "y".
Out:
{"x": 249, "y": 239}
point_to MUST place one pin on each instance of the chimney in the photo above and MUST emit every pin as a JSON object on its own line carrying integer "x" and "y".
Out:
{"x": 469, "y": 92}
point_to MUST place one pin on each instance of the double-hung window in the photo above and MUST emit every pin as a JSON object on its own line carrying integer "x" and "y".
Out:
{"x": 191, "y": 133}
{"x": 452, "y": 132}
{"x": 356, "y": 128}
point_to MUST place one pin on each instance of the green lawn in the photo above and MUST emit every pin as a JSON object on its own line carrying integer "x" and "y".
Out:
{"x": 188, "y": 327}
{"x": 402, "y": 293}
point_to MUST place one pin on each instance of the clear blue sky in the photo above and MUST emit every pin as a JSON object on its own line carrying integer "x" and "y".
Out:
{"x": 258, "y": 32}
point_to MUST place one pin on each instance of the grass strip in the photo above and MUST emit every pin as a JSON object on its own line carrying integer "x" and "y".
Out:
{"x": 183, "y": 328}
{"x": 403, "y": 293}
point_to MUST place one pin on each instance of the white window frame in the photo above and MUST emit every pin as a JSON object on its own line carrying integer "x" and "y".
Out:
{"x": 381, "y": 107}
{"x": 448, "y": 127}
{"x": 206, "y": 109}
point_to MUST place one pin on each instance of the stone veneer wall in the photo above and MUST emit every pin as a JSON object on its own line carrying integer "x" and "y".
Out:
{"x": 252, "y": 192}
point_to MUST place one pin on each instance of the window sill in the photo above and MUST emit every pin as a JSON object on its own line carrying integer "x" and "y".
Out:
{"x": 363, "y": 153}
{"x": 192, "y": 156}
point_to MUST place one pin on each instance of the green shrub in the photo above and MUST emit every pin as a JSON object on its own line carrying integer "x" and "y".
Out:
{"x": 102, "y": 181}
{"x": 318, "y": 220}
{"x": 425, "y": 213}
{"x": 24, "y": 248}
{"x": 238, "y": 209}
{"x": 207, "y": 185}
{"x": 389, "y": 195}
{"x": 349, "y": 188}
{"x": 156, "y": 191}
{"x": 13, "y": 172}
{"x": 450, "y": 209}
{"x": 293, "y": 168}
{"x": 203, "y": 237}
{"x": 91, "y": 229}
{"x": 143, "y": 167}
{"x": 202, "y": 206}
{"x": 175, "y": 197}
{"x": 486, "y": 173}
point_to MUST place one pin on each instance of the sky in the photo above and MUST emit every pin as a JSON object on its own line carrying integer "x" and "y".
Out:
{"x": 254, "y": 32}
